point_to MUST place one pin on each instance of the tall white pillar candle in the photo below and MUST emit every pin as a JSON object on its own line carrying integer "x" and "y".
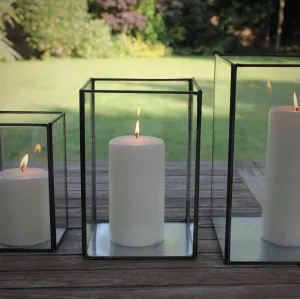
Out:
{"x": 24, "y": 207}
{"x": 281, "y": 205}
{"x": 136, "y": 190}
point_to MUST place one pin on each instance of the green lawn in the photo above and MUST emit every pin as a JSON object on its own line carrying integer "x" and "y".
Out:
{"x": 54, "y": 85}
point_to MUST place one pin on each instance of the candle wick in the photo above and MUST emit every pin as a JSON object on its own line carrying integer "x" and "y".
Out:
{"x": 136, "y": 135}
{"x": 22, "y": 169}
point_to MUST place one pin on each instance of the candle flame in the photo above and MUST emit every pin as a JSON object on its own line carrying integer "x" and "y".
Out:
{"x": 138, "y": 112}
{"x": 24, "y": 162}
{"x": 137, "y": 128}
{"x": 269, "y": 85}
{"x": 37, "y": 148}
{"x": 296, "y": 107}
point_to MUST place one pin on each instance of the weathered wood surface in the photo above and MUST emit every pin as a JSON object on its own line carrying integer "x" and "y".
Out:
{"x": 65, "y": 274}
{"x": 254, "y": 180}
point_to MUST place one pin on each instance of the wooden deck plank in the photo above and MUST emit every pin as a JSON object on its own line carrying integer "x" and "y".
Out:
{"x": 75, "y": 222}
{"x": 254, "y": 179}
{"x": 191, "y": 292}
{"x": 65, "y": 274}
{"x": 74, "y": 248}
{"x": 149, "y": 277}
{"x": 74, "y": 262}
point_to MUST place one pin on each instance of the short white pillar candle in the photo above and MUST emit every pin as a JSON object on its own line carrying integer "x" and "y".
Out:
{"x": 136, "y": 190}
{"x": 24, "y": 207}
{"x": 281, "y": 204}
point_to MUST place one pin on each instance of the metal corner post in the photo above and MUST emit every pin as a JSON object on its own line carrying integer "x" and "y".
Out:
{"x": 1, "y": 161}
{"x": 51, "y": 187}
{"x": 94, "y": 159}
{"x": 213, "y": 139}
{"x": 66, "y": 169}
{"x": 230, "y": 161}
{"x": 82, "y": 169}
{"x": 197, "y": 171}
{"x": 189, "y": 150}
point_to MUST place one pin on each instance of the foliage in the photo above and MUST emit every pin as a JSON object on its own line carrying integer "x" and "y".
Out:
{"x": 236, "y": 26}
{"x": 172, "y": 16}
{"x": 49, "y": 25}
{"x": 137, "y": 25}
{"x": 7, "y": 52}
{"x": 94, "y": 40}
{"x": 105, "y": 28}
{"x": 248, "y": 20}
{"x": 237, "y": 13}
{"x": 224, "y": 45}
{"x": 7, "y": 15}
{"x": 129, "y": 46}
{"x": 62, "y": 28}
{"x": 155, "y": 29}
{"x": 190, "y": 22}
{"x": 121, "y": 15}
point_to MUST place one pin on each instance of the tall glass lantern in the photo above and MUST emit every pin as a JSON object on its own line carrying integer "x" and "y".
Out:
{"x": 140, "y": 153}
{"x": 256, "y": 167}
{"x": 33, "y": 180}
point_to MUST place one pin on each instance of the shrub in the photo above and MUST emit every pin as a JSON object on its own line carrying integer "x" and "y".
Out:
{"x": 121, "y": 15}
{"x": 94, "y": 40}
{"x": 155, "y": 29}
{"x": 7, "y": 15}
{"x": 136, "y": 47}
{"x": 62, "y": 28}
{"x": 49, "y": 24}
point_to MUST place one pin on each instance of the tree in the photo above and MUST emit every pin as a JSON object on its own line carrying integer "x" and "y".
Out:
{"x": 187, "y": 21}
{"x": 280, "y": 24}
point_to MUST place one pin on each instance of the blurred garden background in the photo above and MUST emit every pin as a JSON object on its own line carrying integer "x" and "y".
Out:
{"x": 49, "y": 48}
{"x": 146, "y": 28}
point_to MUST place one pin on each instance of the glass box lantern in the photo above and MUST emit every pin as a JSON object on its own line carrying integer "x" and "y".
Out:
{"x": 33, "y": 180}
{"x": 256, "y": 167}
{"x": 140, "y": 152}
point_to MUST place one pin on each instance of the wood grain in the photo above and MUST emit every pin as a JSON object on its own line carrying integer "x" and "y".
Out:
{"x": 149, "y": 277}
{"x": 254, "y": 179}
{"x": 167, "y": 292}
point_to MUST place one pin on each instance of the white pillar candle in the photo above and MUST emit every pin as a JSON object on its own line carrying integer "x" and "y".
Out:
{"x": 281, "y": 205}
{"x": 24, "y": 207}
{"x": 136, "y": 190}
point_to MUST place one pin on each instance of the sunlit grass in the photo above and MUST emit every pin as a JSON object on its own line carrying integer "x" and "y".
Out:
{"x": 55, "y": 84}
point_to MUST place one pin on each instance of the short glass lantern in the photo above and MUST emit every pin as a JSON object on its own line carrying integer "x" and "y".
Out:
{"x": 256, "y": 167}
{"x": 140, "y": 153}
{"x": 33, "y": 180}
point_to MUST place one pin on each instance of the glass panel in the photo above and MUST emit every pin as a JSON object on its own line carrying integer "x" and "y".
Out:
{"x": 220, "y": 148}
{"x": 88, "y": 164}
{"x": 265, "y": 202}
{"x": 24, "y": 205}
{"x": 60, "y": 178}
{"x": 32, "y": 118}
{"x": 163, "y": 116}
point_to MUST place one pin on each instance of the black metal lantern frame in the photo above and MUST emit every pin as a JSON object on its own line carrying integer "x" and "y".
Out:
{"x": 251, "y": 219}
{"x": 102, "y": 118}
{"x": 33, "y": 179}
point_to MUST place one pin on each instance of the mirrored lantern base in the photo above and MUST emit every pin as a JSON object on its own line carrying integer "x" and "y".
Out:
{"x": 45, "y": 246}
{"x": 177, "y": 243}
{"x": 247, "y": 245}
